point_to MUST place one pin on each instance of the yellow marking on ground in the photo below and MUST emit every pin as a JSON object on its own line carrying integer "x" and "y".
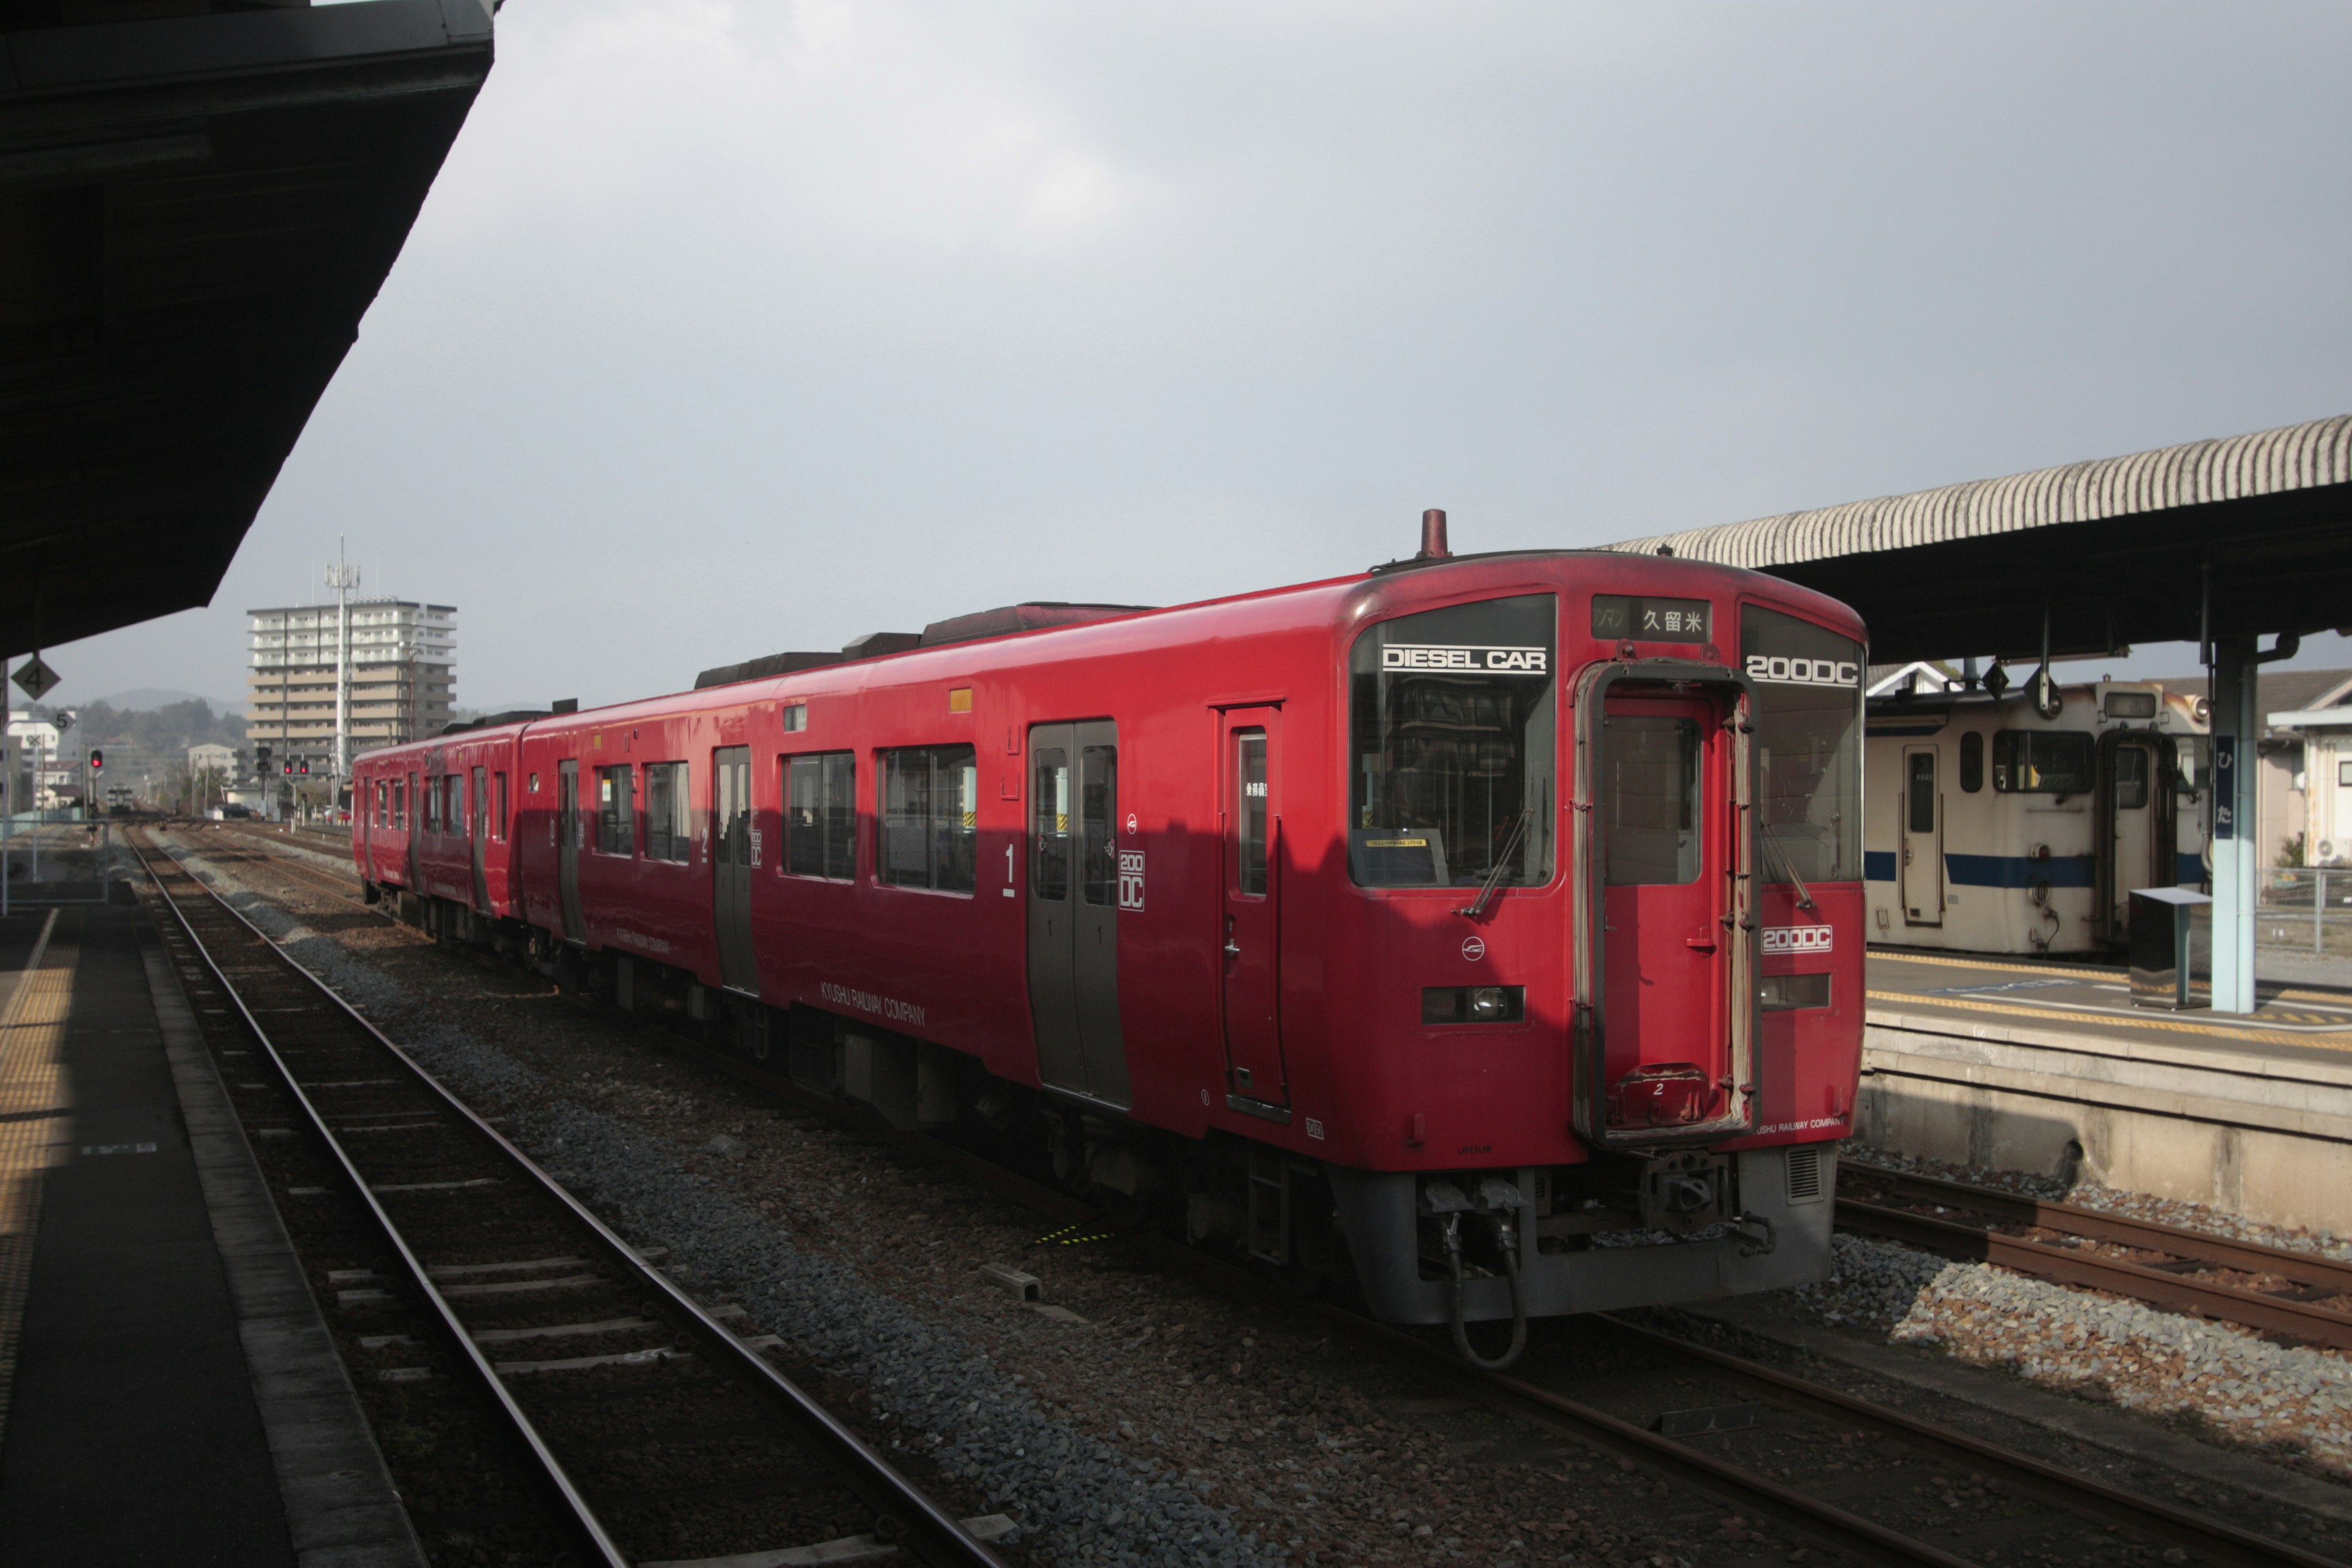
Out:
{"x": 32, "y": 1030}
{"x": 2325, "y": 998}
{"x": 2209, "y": 1027}
{"x": 2070, "y": 969}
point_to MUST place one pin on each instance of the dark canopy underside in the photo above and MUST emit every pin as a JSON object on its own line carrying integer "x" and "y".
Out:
{"x": 194, "y": 214}
{"x": 2119, "y": 551}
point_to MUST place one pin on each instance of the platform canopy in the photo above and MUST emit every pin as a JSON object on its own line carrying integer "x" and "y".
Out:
{"x": 196, "y": 210}
{"x": 2119, "y": 550}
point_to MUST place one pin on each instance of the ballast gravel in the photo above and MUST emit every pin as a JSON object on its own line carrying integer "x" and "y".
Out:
{"x": 2235, "y": 1386}
{"x": 946, "y": 1396}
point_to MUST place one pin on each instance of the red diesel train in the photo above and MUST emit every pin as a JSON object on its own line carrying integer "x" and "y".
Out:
{"x": 1487, "y": 929}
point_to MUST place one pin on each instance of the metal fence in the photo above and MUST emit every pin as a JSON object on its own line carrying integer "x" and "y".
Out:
{"x": 2305, "y": 907}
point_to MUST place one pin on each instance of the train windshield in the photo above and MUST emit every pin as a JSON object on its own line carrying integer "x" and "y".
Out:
{"x": 1808, "y": 682}
{"x": 1451, "y": 746}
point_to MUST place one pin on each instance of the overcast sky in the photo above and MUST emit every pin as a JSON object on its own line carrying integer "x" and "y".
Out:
{"x": 733, "y": 328}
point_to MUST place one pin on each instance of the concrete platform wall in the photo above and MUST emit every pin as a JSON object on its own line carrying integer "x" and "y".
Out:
{"x": 2268, "y": 1136}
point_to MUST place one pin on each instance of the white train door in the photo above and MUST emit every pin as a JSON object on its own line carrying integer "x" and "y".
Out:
{"x": 1923, "y": 839}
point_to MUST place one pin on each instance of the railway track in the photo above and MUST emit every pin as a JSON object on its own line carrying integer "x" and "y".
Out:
{"x": 1724, "y": 1450}
{"x": 1844, "y": 1473}
{"x": 2296, "y": 1296}
{"x": 651, "y": 1431}
{"x": 261, "y": 847}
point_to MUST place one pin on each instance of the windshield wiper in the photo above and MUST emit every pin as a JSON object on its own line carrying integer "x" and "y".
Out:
{"x": 1804, "y": 894}
{"x": 1494, "y": 877}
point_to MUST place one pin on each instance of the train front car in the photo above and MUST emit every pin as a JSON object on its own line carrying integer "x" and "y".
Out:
{"x": 1599, "y": 961}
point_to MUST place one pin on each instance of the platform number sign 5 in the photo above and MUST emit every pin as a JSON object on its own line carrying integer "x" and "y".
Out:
{"x": 1131, "y": 880}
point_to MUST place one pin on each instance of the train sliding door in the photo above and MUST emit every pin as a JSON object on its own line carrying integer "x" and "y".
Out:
{"x": 567, "y": 848}
{"x": 1923, "y": 839}
{"x": 730, "y": 868}
{"x": 414, "y": 816}
{"x": 480, "y": 818}
{"x": 2137, "y": 834}
{"x": 1252, "y": 916}
{"x": 1665, "y": 811}
{"x": 1073, "y": 902}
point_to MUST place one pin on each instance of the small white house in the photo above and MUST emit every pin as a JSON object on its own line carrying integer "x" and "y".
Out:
{"x": 213, "y": 755}
{"x": 2323, "y": 723}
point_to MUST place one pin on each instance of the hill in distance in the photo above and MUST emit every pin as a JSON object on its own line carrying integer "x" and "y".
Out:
{"x": 147, "y": 698}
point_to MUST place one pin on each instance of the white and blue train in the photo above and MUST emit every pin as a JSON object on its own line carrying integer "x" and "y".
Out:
{"x": 1993, "y": 823}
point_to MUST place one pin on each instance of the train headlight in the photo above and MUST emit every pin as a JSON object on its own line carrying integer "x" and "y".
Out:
{"x": 1474, "y": 1003}
{"x": 1489, "y": 1004}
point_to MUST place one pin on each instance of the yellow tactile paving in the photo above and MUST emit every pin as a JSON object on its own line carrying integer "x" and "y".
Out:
{"x": 2071, "y": 971}
{"x": 2337, "y": 1040}
{"x": 31, "y": 1033}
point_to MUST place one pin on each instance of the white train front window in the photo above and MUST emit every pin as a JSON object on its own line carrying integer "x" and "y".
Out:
{"x": 1808, "y": 685}
{"x": 1452, "y": 746}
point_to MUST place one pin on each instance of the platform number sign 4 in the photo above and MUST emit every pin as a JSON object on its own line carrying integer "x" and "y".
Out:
{"x": 1131, "y": 880}
{"x": 35, "y": 679}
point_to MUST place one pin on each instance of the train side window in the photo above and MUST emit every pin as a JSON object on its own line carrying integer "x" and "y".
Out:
{"x": 2131, "y": 777}
{"x": 1919, "y": 796}
{"x": 1651, "y": 797}
{"x": 1098, "y": 822}
{"x": 669, "y": 831}
{"x": 820, "y": 816}
{"x": 1250, "y": 822}
{"x": 399, "y": 802}
{"x": 1973, "y": 762}
{"x": 930, "y": 814}
{"x": 1049, "y": 870}
{"x": 616, "y": 829}
{"x": 2042, "y": 761}
{"x": 498, "y": 823}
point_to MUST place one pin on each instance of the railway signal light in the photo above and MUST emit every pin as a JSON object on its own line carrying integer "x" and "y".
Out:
{"x": 305, "y": 767}
{"x": 290, "y": 766}
{"x": 97, "y": 761}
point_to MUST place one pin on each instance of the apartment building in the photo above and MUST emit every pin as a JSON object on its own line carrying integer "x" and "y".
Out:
{"x": 402, "y": 676}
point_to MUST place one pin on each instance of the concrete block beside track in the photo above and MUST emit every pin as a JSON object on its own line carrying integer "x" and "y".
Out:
{"x": 2205, "y": 1119}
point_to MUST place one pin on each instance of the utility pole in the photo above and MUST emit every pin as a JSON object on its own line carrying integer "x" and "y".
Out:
{"x": 343, "y": 577}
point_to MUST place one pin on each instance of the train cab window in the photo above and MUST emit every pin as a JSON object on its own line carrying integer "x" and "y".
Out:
{"x": 1451, "y": 751}
{"x": 2131, "y": 777}
{"x": 2042, "y": 761}
{"x": 498, "y": 823}
{"x": 821, "y": 816}
{"x": 669, "y": 831}
{"x": 1649, "y": 797}
{"x": 1971, "y": 762}
{"x": 930, "y": 818}
{"x": 1808, "y": 744}
{"x": 616, "y": 827}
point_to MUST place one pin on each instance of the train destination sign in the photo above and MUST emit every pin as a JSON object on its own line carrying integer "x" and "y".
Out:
{"x": 1483, "y": 660}
{"x": 1619, "y": 617}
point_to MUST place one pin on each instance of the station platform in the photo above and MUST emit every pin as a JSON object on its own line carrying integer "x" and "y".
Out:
{"x": 168, "y": 1393}
{"x": 2047, "y": 1065}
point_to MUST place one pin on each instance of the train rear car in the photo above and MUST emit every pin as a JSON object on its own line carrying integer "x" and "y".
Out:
{"x": 1996, "y": 825}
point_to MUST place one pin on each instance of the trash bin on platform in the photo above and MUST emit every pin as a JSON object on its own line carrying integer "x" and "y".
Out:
{"x": 2164, "y": 949}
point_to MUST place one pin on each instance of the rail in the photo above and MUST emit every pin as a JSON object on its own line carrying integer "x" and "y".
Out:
{"x": 925, "y": 1529}
{"x": 2168, "y": 1281}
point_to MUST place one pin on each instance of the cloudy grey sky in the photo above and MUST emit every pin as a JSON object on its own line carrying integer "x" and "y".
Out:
{"x": 736, "y": 327}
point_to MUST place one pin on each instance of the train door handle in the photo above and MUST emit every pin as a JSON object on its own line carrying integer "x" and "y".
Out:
{"x": 1699, "y": 943}
{"x": 1232, "y": 947}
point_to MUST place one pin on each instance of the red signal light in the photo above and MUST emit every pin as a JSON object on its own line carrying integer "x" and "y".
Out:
{"x": 97, "y": 761}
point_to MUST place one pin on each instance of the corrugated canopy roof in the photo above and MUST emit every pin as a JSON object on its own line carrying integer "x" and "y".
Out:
{"x": 2119, "y": 549}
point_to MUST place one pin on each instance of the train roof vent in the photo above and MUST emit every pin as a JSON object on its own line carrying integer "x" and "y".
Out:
{"x": 1030, "y": 617}
{"x": 754, "y": 669}
{"x": 874, "y": 644}
{"x": 492, "y": 721}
